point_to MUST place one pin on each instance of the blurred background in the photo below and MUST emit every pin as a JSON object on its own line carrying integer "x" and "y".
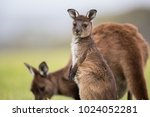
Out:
{"x": 40, "y": 30}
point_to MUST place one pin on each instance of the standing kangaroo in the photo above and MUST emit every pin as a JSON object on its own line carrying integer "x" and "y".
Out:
{"x": 89, "y": 69}
{"x": 45, "y": 85}
{"x": 126, "y": 52}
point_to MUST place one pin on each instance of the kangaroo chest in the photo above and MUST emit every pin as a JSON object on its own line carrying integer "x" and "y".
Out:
{"x": 77, "y": 51}
{"x": 74, "y": 51}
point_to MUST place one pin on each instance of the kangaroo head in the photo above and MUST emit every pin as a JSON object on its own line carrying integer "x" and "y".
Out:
{"x": 42, "y": 86}
{"x": 82, "y": 25}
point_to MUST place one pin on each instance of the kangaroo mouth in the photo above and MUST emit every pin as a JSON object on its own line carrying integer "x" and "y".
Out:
{"x": 81, "y": 36}
{"x": 78, "y": 34}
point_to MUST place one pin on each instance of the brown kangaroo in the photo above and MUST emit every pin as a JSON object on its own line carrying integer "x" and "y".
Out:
{"x": 118, "y": 43}
{"x": 89, "y": 69}
{"x": 126, "y": 52}
{"x": 45, "y": 85}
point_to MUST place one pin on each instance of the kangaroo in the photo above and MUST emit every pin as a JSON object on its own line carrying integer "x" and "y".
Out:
{"x": 126, "y": 52}
{"x": 89, "y": 69}
{"x": 45, "y": 85}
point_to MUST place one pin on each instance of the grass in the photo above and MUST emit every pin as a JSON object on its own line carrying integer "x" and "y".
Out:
{"x": 15, "y": 79}
{"x": 147, "y": 75}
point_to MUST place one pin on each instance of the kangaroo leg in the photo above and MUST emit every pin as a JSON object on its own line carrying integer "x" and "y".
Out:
{"x": 129, "y": 95}
{"x": 77, "y": 97}
{"x": 134, "y": 74}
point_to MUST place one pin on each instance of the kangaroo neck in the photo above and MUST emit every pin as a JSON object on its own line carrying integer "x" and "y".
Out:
{"x": 57, "y": 77}
{"x": 84, "y": 43}
{"x": 82, "y": 39}
{"x": 80, "y": 48}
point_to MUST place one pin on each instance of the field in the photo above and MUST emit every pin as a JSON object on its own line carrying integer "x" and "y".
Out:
{"x": 15, "y": 79}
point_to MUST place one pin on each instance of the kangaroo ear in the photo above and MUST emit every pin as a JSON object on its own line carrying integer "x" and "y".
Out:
{"x": 91, "y": 14}
{"x": 73, "y": 13}
{"x": 43, "y": 68}
{"x": 32, "y": 70}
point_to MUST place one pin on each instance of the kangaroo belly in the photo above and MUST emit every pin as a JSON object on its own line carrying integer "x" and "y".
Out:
{"x": 93, "y": 85}
{"x": 93, "y": 89}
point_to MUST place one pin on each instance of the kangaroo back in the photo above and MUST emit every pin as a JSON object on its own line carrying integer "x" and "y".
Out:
{"x": 126, "y": 53}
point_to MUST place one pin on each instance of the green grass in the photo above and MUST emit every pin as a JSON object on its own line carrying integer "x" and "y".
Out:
{"x": 15, "y": 79}
{"x": 147, "y": 75}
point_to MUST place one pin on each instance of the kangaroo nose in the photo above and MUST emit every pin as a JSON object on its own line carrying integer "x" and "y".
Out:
{"x": 77, "y": 31}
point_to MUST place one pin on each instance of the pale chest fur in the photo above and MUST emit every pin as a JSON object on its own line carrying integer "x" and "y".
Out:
{"x": 74, "y": 51}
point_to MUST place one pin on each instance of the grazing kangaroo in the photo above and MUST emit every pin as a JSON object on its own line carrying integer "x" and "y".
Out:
{"x": 45, "y": 85}
{"x": 126, "y": 52}
{"x": 89, "y": 69}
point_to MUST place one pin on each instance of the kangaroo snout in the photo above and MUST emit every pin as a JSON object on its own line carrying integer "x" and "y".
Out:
{"x": 78, "y": 32}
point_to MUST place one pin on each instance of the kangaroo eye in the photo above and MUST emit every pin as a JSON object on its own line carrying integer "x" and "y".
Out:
{"x": 74, "y": 24}
{"x": 84, "y": 25}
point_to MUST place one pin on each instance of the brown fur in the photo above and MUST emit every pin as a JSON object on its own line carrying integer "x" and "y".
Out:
{"x": 44, "y": 87}
{"x": 108, "y": 39}
{"x": 94, "y": 77}
{"x": 126, "y": 52}
{"x": 89, "y": 69}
